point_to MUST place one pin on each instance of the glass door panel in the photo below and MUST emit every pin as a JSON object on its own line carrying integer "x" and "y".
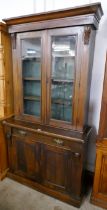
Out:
{"x": 62, "y": 77}
{"x": 31, "y": 75}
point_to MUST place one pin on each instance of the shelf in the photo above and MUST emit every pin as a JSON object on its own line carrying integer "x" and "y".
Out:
{"x": 63, "y": 56}
{"x": 59, "y": 101}
{"x": 32, "y": 78}
{"x": 62, "y": 81}
{"x": 30, "y": 58}
{"x": 33, "y": 98}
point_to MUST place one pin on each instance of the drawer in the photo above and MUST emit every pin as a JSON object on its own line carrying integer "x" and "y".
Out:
{"x": 60, "y": 142}
{"x": 22, "y": 133}
{"x": 49, "y": 139}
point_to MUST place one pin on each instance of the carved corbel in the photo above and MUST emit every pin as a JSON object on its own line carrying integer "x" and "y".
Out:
{"x": 87, "y": 33}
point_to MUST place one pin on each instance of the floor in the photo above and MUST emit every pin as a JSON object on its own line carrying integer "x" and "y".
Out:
{"x": 15, "y": 196}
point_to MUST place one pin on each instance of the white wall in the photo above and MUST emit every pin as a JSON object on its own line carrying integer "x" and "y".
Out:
{"x": 97, "y": 80}
{"x": 47, "y": 5}
{"x": 9, "y": 8}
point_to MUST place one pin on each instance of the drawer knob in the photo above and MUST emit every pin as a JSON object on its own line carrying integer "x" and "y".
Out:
{"x": 39, "y": 129}
{"x": 23, "y": 133}
{"x": 58, "y": 141}
{"x": 77, "y": 154}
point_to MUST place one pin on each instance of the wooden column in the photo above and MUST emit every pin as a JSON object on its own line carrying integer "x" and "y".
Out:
{"x": 6, "y": 103}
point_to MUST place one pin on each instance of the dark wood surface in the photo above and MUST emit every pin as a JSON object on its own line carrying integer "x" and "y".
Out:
{"x": 54, "y": 163}
{"x": 99, "y": 194}
{"x": 49, "y": 130}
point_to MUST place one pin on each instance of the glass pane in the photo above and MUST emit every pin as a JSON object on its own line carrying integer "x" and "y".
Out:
{"x": 32, "y": 88}
{"x": 31, "y": 68}
{"x": 32, "y": 107}
{"x": 31, "y": 73}
{"x": 62, "y": 78}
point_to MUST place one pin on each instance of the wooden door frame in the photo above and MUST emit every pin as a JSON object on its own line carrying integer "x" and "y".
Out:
{"x": 18, "y": 90}
{"x": 78, "y": 32}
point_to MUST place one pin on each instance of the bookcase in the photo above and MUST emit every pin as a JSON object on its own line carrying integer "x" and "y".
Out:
{"x": 52, "y": 56}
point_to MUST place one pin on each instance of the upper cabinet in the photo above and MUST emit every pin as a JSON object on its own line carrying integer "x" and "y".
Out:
{"x": 48, "y": 75}
{"x": 52, "y": 63}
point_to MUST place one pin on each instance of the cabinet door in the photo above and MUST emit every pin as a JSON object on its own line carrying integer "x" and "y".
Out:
{"x": 30, "y": 77}
{"x": 61, "y": 169}
{"x": 100, "y": 179}
{"x": 63, "y": 78}
{"x": 25, "y": 158}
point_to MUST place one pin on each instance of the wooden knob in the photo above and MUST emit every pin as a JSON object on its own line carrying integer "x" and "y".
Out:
{"x": 76, "y": 154}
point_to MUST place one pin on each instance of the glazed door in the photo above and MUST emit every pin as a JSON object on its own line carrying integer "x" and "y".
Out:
{"x": 31, "y": 75}
{"x": 24, "y": 158}
{"x": 63, "y": 76}
{"x": 61, "y": 169}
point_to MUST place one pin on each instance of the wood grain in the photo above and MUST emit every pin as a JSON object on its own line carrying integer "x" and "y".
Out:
{"x": 99, "y": 194}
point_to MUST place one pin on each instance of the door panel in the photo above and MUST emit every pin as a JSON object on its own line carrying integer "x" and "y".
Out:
{"x": 61, "y": 169}
{"x": 103, "y": 176}
{"x": 26, "y": 158}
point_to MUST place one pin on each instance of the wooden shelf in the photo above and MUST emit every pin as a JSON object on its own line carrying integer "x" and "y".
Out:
{"x": 63, "y": 56}
{"x": 30, "y": 58}
{"x": 62, "y": 80}
{"x": 33, "y": 98}
{"x": 32, "y": 78}
{"x": 61, "y": 102}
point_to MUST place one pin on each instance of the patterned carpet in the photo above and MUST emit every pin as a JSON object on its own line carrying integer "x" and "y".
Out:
{"x": 15, "y": 196}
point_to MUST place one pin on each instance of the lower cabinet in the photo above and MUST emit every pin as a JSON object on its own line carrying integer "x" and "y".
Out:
{"x": 99, "y": 193}
{"x": 55, "y": 165}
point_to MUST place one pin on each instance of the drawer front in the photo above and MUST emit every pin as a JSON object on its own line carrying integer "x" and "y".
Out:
{"x": 22, "y": 133}
{"x": 55, "y": 140}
